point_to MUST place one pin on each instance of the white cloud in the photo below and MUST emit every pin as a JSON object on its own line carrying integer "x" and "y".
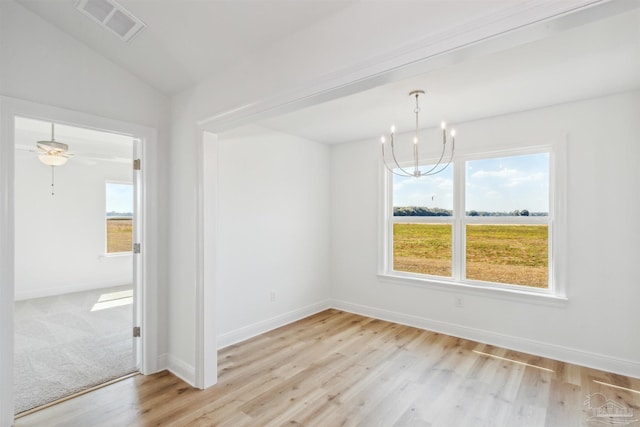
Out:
{"x": 502, "y": 173}
{"x": 516, "y": 181}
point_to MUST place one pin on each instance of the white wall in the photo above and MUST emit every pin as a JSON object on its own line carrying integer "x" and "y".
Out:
{"x": 597, "y": 326}
{"x": 60, "y": 239}
{"x": 40, "y": 63}
{"x": 273, "y": 211}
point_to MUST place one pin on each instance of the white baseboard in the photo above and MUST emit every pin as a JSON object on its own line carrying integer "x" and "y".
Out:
{"x": 250, "y": 331}
{"x": 180, "y": 369}
{"x": 552, "y": 351}
{"x": 162, "y": 363}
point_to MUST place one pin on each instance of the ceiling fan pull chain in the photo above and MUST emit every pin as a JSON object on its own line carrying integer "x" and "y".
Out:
{"x": 52, "y": 182}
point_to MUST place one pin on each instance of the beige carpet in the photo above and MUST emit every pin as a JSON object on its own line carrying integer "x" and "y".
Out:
{"x": 68, "y": 343}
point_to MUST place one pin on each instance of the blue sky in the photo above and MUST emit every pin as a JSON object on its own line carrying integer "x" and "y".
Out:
{"x": 498, "y": 185}
{"x": 434, "y": 191}
{"x": 119, "y": 197}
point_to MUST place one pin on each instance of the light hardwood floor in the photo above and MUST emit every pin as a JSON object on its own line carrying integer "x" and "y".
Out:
{"x": 340, "y": 369}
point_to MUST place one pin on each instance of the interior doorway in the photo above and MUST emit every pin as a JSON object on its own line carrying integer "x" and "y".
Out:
{"x": 77, "y": 218}
{"x": 149, "y": 349}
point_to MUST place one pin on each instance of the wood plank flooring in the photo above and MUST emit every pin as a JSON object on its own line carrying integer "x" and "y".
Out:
{"x": 340, "y": 369}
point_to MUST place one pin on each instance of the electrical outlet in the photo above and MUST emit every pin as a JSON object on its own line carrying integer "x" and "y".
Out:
{"x": 459, "y": 302}
{"x": 272, "y": 296}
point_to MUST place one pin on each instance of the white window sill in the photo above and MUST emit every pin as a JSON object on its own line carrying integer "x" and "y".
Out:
{"x": 115, "y": 255}
{"x": 518, "y": 295}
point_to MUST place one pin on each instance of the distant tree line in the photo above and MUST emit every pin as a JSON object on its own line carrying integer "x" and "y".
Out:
{"x": 420, "y": 211}
{"x": 424, "y": 211}
{"x": 523, "y": 212}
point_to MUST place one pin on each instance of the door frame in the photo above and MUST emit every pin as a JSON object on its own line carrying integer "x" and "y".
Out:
{"x": 147, "y": 261}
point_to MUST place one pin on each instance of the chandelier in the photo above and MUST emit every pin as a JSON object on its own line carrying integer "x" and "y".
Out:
{"x": 417, "y": 173}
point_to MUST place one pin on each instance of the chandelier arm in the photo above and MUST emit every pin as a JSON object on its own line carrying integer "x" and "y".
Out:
{"x": 438, "y": 171}
{"x": 446, "y": 166}
{"x": 399, "y": 174}
{"x": 396, "y": 173}
{"x": 429, "y": 172}
{"x": 393, "y": 153}
{"x": 386, "y": 165}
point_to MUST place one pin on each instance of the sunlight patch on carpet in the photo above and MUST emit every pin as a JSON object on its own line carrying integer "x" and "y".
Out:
{"x": 113, "y": 299}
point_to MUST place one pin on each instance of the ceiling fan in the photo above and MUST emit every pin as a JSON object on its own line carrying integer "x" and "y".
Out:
{"x": 53, "y": 153}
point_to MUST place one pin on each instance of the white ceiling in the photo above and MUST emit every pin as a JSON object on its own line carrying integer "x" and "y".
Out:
{"x": 188, "y": 40}
{"x": 588, "y": 61}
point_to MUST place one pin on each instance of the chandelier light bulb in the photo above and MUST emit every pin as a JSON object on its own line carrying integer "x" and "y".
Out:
{"x": 453, "y": 132}
{"x": 444, "y": 125}
{"x": 393, "y": 129}
{"x": 382, "y": 139}
{"x": 415, "y": 139}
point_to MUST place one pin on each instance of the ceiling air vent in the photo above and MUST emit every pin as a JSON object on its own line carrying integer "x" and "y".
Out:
{"x": 112, "y": 16}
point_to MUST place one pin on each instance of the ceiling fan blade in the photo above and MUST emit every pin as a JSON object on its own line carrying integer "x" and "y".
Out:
{"x": 24, "y": 147}
{"x": 53, "y": 146}
{"x": 86, "y": 162}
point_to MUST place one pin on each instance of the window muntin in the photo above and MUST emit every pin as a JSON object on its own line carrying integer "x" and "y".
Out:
{"x": 493, "y": 243}
{"x": 119, "y": 217}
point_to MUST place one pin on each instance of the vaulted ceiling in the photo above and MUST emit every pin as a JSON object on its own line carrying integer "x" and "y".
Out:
{"x": 185, "y": 41}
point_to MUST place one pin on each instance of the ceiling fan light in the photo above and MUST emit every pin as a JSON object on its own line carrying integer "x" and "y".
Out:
{"x": 51, "y": 160}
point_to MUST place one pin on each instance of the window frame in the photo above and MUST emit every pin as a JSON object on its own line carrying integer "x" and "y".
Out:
{"x": 108, "y": 254}
{"x": 555, "y": 221}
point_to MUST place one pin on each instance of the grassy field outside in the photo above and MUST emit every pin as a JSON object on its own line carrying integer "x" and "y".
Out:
{"x": 512, "y": 254}
{"x": 422, "y": 248}
{"x": 119, "y": 235}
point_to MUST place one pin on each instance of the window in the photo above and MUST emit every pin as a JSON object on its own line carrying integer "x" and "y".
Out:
{"x": 119, "y": 217}
{"x": 485, "y": 221}
{"x": 506, "y": 221}
{"x": 423, "y": 223}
